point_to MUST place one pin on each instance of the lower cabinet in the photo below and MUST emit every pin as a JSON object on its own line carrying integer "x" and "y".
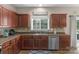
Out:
{"x": 5, "y": 50}
{"x": 44, "y": 42}
{"x": 34, "y": 42}
{"x": 27, "y": 42}
{"x": 11, "y": 46}
{"x": 64, "y": 42}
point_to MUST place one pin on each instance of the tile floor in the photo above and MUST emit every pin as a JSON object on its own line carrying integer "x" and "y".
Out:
{"x": 72, "y": 51}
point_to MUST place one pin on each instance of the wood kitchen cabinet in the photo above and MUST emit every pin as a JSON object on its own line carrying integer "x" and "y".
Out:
{"x": 5, "y": 17}
{"x": 27, "y": 42}
{"x": 62, "y": 20}
{"x": 34, "y": 42}
{"x": 18, "y": 43}
{"x": 0, "y": 16}
{"x": 44, "y": 42}
{"x": 23, "y": 20}
{"x": 15, "y": 44}
{"x": 11, "y": 46}
{"x": 55, "y": 20}
{"x": 6, "y": 48}
{"x": 64, "y": 42}
{"x": 13, "y": 19}
{"x": 8, "y": 18}
{"x": 58, "y": 20}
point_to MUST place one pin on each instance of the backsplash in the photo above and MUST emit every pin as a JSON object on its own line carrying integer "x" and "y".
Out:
{"x": 52, "y": 30}
{"x": 21, "y": 29}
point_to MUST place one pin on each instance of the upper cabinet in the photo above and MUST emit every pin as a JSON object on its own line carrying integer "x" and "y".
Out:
{"x": 14, "y": 19}
{"x": 5, "y": 17}
{"x": 58, "y": 20}
{"x": 8, "y": 18}
{"x": 23, "y": 20}
{"x": 0, "y": 16}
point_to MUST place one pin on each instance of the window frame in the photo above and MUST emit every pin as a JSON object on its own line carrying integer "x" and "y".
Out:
{"x": 48, "y": 21}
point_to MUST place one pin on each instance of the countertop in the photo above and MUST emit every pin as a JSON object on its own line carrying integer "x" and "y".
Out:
{"x": 4, "y": 39}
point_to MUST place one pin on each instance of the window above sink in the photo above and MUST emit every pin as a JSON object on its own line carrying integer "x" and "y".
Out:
{"x": 40, "y": 23}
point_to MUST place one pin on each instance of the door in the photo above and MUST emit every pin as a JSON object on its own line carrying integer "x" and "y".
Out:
{"x": 77, "y": 30}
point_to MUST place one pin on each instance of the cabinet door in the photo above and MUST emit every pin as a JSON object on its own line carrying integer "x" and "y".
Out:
{"x": 64, "y": 42}
{"x": 16, "y": 20}
{"x": 55, "y": 20}
{"x": 5, "y": 17}
{"x": 23, "y": 20}
{"x": 18, "y": 43}
{"x": 58, "y": 20}
{"x": 36, "y": 39}
{"x": 62, "y": 20}
{"x": 5, "y": 50}
{"x": 36, "y": 43}
{"x": 27, "y": 42}
{"x": 0, "y": 16}
{"x": 5, "y": 47}
{"x": 44, "y": 42}
{"x": 13, "y": 19}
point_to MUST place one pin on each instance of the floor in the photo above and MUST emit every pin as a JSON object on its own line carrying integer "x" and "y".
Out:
{"x": 72, "y": 51}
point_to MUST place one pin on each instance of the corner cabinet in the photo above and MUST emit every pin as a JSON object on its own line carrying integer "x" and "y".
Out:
{"x": 11, "y": 46}
{"x": 58, "y": 20}
{"x": 23, "y": 20}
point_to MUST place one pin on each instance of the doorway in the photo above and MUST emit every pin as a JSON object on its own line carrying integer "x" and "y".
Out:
{"x": 77, "y": 30}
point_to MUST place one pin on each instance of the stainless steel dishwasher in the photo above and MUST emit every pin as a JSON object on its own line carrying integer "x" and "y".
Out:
{"x": 53, "y": 42}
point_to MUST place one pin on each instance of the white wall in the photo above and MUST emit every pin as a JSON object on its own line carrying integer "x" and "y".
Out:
{"x": 8, "y": 7}
{"x": 68, "y": 11}
{"x": 73, "y": 27}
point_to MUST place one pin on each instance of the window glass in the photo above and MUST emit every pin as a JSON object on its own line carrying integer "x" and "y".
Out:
{"x": 40, "y": 23}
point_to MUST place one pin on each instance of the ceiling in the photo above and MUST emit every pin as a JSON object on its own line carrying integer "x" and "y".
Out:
{"x": 44, "y": 5}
